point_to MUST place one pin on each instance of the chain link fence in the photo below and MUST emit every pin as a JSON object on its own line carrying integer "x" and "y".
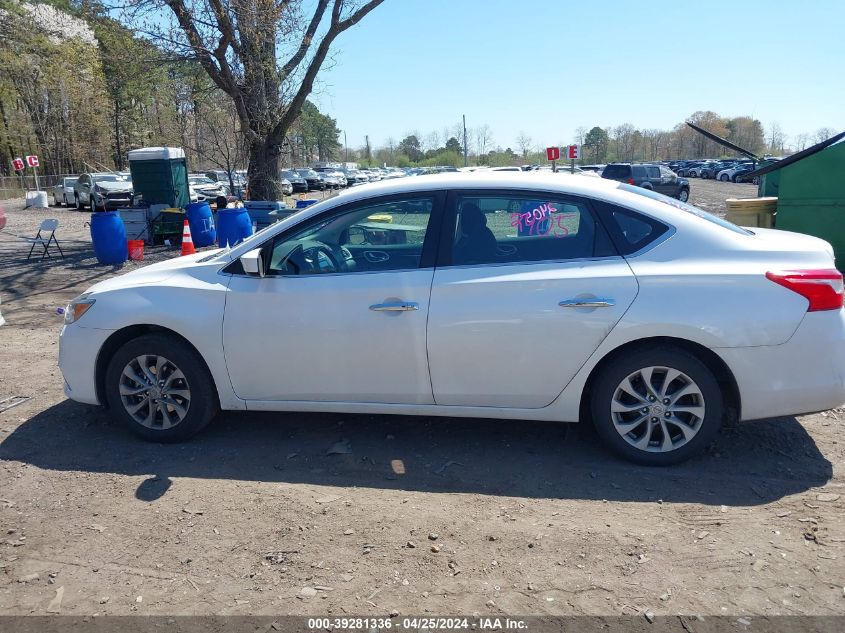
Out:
{"x": 17, "y": 186}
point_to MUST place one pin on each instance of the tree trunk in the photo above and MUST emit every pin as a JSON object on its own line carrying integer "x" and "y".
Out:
{"x": 263, "y": 172}
{"x": 118, "y": 152}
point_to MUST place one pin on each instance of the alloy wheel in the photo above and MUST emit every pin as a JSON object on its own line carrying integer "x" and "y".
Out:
{"x": 657, "y": 409}
{"x": 154, "y": 392}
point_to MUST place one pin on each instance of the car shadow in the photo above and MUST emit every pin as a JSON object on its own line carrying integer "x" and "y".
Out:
{"x": 750, "y": 463}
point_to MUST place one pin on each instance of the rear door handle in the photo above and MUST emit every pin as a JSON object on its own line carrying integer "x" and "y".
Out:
{"x": 397, "y": 306}
{"x": 587, "y": 302}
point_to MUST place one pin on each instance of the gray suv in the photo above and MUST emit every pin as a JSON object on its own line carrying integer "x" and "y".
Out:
{"x": 648, "y": 176}
{"x": 102, "y": 192}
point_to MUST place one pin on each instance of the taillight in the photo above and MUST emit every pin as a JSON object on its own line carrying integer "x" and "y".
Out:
{"x": 630, "y": 181}
{"x": 822, "y": 288}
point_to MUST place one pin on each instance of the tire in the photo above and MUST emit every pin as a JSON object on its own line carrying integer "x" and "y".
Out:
{"x": 56, "y": 202}
{"x": 192, "y": 398}
{"x": 724, "y": 178}
{"x": 683, "y": 195}
{"x": 755, "y": 180}
{"x": 688, "y": 432}
{"x": 77, "y": 203}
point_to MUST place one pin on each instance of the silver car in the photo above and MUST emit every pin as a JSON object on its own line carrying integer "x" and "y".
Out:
{"x": 63, "y": 191}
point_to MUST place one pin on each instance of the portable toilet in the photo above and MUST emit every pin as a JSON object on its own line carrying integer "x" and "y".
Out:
{"x": 160, "y": 175}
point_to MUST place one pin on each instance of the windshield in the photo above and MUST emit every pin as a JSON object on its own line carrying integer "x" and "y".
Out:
{"x": 286, "y": 173}
{"x": 200, "y": 180}
{"x": 109, "y": 178}
{"x": 683, "y": 206}
{"x": 257, "y": 238}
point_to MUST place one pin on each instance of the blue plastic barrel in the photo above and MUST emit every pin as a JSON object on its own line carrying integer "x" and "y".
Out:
{"x": 301, "y": 204}
{"x": 233, "y": 226}
{"x": 202, "y": 223}
{"x": 109, "y": 237}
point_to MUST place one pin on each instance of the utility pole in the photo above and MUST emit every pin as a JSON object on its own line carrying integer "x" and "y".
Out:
{"x": 345, "y": 148}
{"x": 465, "y": 140}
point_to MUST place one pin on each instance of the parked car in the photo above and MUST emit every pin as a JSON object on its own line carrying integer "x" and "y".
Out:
{"x": 315, "y": 182}
{"x": 202, "y": 187}
{"x": 695, "y": 170}
{"x": 63, "y": 191}
{"x": 334, "y": 178}
{"x": 745, "y": 176}
{"x": 102, "y": 191}
{"x": 287, "y": 187}
{"x": 655, "y": 177}
{"x": 729, "y": 173}
{"x": 221, "y": 178}
{"x": 298, "y": 183}
{"x": 354, "y": 177}
{"x": 583, "y": 299}
{"x": 709, "y": 170}
{"x": 2, "y": 218}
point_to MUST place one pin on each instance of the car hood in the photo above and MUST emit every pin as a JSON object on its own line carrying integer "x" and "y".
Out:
{"x": 114, "y": 186}
{"x": 154, "y": 273}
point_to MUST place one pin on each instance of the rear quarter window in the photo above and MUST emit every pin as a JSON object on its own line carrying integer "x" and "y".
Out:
{"x": 630, "y": 231}
{"x": 617, "y": 172}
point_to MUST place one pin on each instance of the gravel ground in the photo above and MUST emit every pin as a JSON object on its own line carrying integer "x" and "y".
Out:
{"x": 345, "y": 514}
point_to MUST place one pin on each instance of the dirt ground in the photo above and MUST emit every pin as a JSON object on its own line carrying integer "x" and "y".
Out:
{"x": 345, "y": 514}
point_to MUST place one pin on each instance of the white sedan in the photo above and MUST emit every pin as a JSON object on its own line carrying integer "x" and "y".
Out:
{"x": 488, "y": 295}
{"x": 63, "y": 191}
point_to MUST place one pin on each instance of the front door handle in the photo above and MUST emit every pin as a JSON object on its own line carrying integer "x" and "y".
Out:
{"x": 395, "y": 306}
{"x": 587, "y": 302}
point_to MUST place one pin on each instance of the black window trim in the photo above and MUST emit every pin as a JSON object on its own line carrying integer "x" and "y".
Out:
{"x": 444, "y": 251}
{"x": 603, "y": 208}
{"x": 430, "y": 242}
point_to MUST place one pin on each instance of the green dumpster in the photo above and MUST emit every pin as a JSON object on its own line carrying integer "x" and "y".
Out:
{"x": 811, "y": 198}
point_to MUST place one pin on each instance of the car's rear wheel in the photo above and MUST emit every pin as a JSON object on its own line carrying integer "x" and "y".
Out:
{"x": 160, "y": 388}
{"x": 657, "y": 407}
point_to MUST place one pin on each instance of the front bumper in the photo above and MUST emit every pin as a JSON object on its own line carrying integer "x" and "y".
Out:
{"x": 78, "y": 349}
{"x": 804, "y": 375}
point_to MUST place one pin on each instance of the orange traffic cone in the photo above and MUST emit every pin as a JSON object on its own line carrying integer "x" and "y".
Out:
{"x": 187, "y": 242}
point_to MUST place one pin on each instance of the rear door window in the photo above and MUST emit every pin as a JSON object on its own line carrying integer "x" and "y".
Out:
{"x": 518, "y": 228}
{"x": 639, "y": 172}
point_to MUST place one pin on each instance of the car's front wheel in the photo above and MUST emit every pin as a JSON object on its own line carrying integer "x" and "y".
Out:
{"x": 160, "y": 388}
{"x": 657, "y": 406}
{"x": 683, "y": 195}
{"x": 724, "y": 178}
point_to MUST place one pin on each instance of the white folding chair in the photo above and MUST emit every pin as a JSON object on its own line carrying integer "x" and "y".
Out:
{"x": 50, "y": 225}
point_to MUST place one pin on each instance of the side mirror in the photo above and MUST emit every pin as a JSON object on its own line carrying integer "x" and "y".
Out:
{"x": 253, "y": 263}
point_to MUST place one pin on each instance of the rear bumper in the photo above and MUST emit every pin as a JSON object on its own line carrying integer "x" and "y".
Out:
{"x": 78, "y": 349}
{"x": 804, "y": 375}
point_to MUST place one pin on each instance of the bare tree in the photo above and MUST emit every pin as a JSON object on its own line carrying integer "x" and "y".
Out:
{"x": 822, "y": 134}
{"x": 580, "y": 134}
{"x": 524, "y": 142}
{"x": 776, "y": 137}
{"x": 483, "y": 139}
{"x": 264, "y": 54}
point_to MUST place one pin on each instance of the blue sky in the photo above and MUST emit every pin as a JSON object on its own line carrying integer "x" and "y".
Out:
{"x": 547, "y": 67}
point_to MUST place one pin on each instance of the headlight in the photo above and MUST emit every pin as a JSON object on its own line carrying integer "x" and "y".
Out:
{"x": 76, "y": 308}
